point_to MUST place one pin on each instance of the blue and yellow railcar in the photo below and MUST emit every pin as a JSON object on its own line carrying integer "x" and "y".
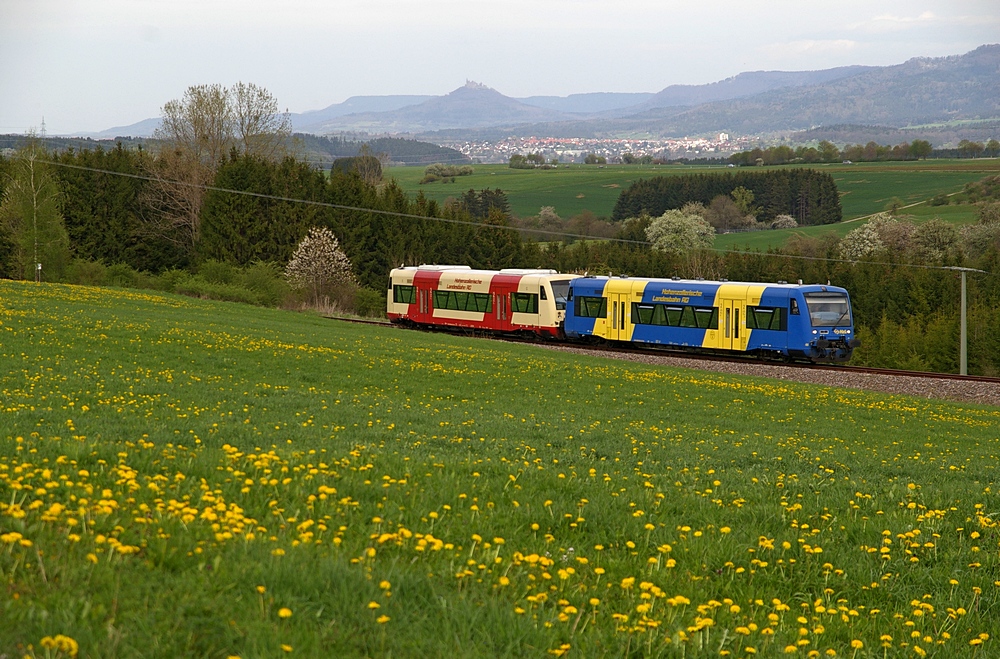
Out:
{"x": 792, "y": 321}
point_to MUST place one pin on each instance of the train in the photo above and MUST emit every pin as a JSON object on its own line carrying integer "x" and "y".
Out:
{"x": 790, "y": 322}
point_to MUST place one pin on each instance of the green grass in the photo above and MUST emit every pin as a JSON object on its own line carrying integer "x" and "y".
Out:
{"x": 175, "y": 472}
{"x": 571, "y": 189}
{"x": 865, "y": 188}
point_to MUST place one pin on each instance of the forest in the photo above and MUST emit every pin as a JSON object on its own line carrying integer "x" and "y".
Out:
{"x": 807, "y": 195}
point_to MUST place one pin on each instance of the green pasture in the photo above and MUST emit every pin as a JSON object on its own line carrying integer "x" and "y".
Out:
{"x": 184, "y": 478}
{"x": 865, "y": 188}
{"x": 571, "y": 189}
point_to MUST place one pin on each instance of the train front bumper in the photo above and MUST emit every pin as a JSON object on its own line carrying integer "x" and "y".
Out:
{"x": 838, "y": 349}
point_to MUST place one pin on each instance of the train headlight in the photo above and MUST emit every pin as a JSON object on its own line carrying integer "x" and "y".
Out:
{"x": 814, "y": 331}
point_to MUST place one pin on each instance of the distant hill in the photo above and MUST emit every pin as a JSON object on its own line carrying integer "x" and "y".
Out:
{"x": 471, "y": 106}
{"x": 593, "y": 103}
{"x": 323, "y": 151}
{"x": 742, "y": 85}
{"x": 314, "y": 120}
{"x": 920, "y": 91}
{"x": 142, "y": 128}
{"x": 317, "y": 150}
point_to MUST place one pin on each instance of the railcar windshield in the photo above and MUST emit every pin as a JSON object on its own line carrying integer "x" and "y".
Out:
{"x": 560, "y": 290}
{"x": 828, "y": 309}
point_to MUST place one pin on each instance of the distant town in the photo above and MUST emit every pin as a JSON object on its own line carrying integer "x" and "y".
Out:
{"x": 575, "y": 149}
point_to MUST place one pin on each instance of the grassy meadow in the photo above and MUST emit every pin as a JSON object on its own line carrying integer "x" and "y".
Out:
{"x": 865, "y": 188}
{"x": 189, "y": 478}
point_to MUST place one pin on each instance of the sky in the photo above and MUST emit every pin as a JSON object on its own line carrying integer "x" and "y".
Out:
{"x": 90, "y": 65}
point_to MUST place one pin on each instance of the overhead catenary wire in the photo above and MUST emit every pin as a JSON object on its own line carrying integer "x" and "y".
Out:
{"x": 448, "y": 220}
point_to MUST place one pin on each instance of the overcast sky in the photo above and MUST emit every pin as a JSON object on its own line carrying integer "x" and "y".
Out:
{"x": 89, "y": 65}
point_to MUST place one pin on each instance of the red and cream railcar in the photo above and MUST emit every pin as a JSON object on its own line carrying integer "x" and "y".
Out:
{"x": 509, "y": 300}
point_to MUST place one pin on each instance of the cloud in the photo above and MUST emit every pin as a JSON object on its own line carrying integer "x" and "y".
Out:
{"x": 808, "y": 47}
{"x": 892, "y": 23}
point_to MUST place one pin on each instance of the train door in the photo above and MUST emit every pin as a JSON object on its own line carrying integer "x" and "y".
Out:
{"x": 423, "y": 302}
{"x": 501, "y": 309}
{"x": 732, "y": 324}
{"x": 619, "y": 315}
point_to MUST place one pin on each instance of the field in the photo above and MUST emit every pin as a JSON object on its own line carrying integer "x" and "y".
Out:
{"x": 865, "y": 188}
{"x": 187, "y": 478}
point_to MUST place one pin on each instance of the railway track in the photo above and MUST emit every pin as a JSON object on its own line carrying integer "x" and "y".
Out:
{"x": 951, "y": 386}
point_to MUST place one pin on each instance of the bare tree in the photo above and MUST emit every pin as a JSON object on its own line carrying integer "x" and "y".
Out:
{"x": 369, "y": 165}
{"x": 197, "y": 132}
{"x": 201, "y": 124}
{"x": 259, "y": 127}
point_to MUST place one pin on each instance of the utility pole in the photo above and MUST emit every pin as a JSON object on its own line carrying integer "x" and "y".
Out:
{"x": 963, "y": 352}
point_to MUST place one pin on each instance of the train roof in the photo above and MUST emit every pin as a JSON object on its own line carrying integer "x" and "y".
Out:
{"x": 706, "y": 282}
{"x": 466, "y": 270}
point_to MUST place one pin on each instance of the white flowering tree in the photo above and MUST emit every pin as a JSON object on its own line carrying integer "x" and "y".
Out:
{"x": 319, "y": 266}
{"x": 677, "y": 233}
{"x": 861, "y": 243}
{"x": 784, "y": 222}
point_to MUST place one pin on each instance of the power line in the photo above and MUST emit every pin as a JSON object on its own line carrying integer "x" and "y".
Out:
{"x": 326, "y": 204}
{"x": 413, "y": 216}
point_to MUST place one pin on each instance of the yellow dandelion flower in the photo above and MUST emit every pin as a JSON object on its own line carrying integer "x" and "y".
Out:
{"x": 284, "y": 612}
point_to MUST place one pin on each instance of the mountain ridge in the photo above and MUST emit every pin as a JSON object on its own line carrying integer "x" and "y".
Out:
{"x": 920, "y": 90}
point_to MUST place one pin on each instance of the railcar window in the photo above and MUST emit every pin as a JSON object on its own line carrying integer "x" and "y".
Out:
{"x": 706, "y": 317}
{"x": 591, "y": 307}
{"x": 404, "y": 294}
{"x": 674, "y": 316}
{"x": 642, "y": 314}
{"x": 767, "y": 318}
{"x": 793, "y": 307}
{"x": 828, "y": 309}
{"x": 560, "y": 290}
{"x": 461, "y": 301}
{"x": 524, "y": 302}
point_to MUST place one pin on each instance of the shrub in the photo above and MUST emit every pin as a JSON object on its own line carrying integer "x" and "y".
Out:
{"x": 784, "y": 222}
{"x": 369, "y": 303}
{"x": 86, "y": 273}
{"x": 266, "y": 281}
{"x": 217, "y": 272}
{"x": 123, "y": 276}
{"x": 198, "y": 286}
{"x": 168, "y": 280}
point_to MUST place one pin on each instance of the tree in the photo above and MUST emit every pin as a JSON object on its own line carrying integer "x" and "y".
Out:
{"x": 784, "y": 222}
{"x": 318, "y": 265}
{"x": 935, "y": 238}
{"x": 993, "y": 148}
{"x": 31, "y": 216}
{"x": 724, "y": 214}
{"x": 494, "y": 245}
{"x": 259, "y": 128}
{"x": 744, "y": 201}
{"x": 920, "y": 149}
{"x": 518, "y": 161}
{"x": 861, "y": 243}
{"x": 970, "y": 149}
{"x": 676, "y": 233}
{"x": 197, "y": 133}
